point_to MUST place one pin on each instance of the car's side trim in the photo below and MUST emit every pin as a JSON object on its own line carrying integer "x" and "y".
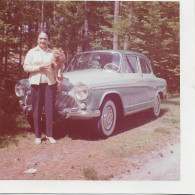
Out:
{"x": 112, "y": 86}
{"x": 152, "y": 102}
{"x": 138, "y": 110}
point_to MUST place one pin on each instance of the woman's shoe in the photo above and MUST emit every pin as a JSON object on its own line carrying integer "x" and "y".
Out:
{"x": 38, "y": 141}
{"x": 51, "y": 140}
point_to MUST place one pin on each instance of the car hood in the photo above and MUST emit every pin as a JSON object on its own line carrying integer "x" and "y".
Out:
{"x": 90, "y": 77}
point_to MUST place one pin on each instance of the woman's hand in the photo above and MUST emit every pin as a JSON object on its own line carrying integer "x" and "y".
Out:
{"x": 44, "y": 66}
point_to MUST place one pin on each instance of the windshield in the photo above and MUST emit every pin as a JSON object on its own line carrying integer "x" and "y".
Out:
{"x": 95, "y": 60}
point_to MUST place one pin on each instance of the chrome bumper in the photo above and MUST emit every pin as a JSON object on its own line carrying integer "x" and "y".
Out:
{"x": 81, "y": 114}
{"x": 70, "y": 113}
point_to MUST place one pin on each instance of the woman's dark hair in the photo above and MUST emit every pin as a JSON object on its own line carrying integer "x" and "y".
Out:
{"x": 44, "y": 31}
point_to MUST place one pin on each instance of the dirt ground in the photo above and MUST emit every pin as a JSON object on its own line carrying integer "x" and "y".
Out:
{"x": 138, "y": 150}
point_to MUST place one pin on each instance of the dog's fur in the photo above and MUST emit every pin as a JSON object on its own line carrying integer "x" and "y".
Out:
{"x": 57, "y": 64}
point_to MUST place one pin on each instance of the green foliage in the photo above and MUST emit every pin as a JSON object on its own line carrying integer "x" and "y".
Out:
{"x": 7, "y": 112}
{"x": 152, "y": 28}
{"x": 90, "y": 173}
{"x": 11, "y": 119}
{"x": 154, "y": 31}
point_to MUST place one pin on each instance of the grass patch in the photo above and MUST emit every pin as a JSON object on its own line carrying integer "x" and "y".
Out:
{"x": 67, "y": 137}
{"x": 175, "y": 121}
{"x": 90, "y": 173}
{"x": 120, "y": 151}
{"x": 8, "y": 112}
{"x": 21, "y": 121}
{"x": 12, "y": 122}
{"x": 162, "y": 130}
{"x": 11, "y": 128}
{"x": 6, "y": 140}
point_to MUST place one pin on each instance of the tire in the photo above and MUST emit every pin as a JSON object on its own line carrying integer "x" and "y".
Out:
{"x": 156, "y": 108}
{"x": 106, "y": 123}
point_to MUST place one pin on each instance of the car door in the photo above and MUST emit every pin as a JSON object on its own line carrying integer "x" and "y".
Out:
{"x": 148, "y": 80}
{"x": 135, "y": 90}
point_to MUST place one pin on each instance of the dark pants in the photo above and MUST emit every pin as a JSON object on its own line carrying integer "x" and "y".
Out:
{"x": 43, "y": 94}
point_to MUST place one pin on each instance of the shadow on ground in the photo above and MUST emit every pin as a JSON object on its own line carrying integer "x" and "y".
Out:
{"x": 136, "y": 120}
{"x": 79, "y": 129}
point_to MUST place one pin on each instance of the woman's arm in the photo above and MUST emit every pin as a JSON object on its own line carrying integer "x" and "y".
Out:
{"x": 28, "y": 66}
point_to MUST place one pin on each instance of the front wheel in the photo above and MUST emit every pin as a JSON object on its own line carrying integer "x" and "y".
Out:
{"x": 107, "y": 121}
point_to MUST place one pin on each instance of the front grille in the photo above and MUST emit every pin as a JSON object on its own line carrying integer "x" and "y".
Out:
{"x": 65, "y": 101}
{"x": 62, "y": 101}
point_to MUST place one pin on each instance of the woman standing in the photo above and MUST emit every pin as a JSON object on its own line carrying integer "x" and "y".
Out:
{"x": 43, "y": 85}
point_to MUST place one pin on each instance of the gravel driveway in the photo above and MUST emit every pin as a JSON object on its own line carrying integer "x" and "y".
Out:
{"x": 143, "y": 148}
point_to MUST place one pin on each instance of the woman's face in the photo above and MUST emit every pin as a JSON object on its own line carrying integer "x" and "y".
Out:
{"x": 42, "y": 40}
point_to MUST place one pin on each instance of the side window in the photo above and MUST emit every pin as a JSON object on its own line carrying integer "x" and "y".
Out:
{"x": 130, "y": 64}
{"x": 144, "y": 66}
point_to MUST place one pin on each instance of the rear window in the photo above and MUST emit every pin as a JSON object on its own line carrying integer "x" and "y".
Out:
{"x": 144, "y": 66}
{"x": 130, "y": 64}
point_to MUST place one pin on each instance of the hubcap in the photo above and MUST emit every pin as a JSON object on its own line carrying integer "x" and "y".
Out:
{"x": 108, "y": 118}
{"x": 157, "y": 106}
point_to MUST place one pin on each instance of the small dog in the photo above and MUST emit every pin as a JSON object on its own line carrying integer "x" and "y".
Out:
{"x": 57, "y": 64}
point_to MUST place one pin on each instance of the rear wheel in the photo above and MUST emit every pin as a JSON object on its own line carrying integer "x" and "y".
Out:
{"x": 157, "y": 104}
{"x": 107, "y": 121}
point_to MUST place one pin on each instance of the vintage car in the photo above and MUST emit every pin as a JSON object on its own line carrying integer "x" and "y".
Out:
{"x": 103, "y": 86}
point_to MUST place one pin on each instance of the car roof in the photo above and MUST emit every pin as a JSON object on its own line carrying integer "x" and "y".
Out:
{"x": 122, "y": 52}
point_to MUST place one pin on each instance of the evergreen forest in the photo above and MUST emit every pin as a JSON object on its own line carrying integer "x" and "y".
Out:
{"x": 148, "y": 27}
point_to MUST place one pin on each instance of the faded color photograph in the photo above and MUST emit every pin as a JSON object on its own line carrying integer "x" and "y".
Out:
{"x": 90, "y": 90}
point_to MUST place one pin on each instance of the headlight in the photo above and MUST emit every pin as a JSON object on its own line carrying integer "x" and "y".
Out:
{"x": 19, "y": 90}
{"x": 81, "y": 91}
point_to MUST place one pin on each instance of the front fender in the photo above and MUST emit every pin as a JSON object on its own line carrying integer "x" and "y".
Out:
{"x": 106, "y": 94}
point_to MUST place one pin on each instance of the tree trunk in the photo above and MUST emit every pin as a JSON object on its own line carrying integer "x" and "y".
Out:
{"x": 129, "y": 25}
{"x": 30, "y": 32}
{"x": 6, "y": 55}
{"x": 40, "y": 21}
{"x": 30, "y": 36}
{"x": 2, "y": 51}
{"x": 126, "y": 42}
{"x": 5, "y": 63}
{"x": 20, "y": 54}
{"x": 54, "y": 14}
{"x": 116, "y": 15}
{"x": 42, "y": 15}
{"x": 85, "y": 43}
{"x": 79, "y": 46}
{"x": 1, "y": 58}
{"x": 1, "y": 65}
